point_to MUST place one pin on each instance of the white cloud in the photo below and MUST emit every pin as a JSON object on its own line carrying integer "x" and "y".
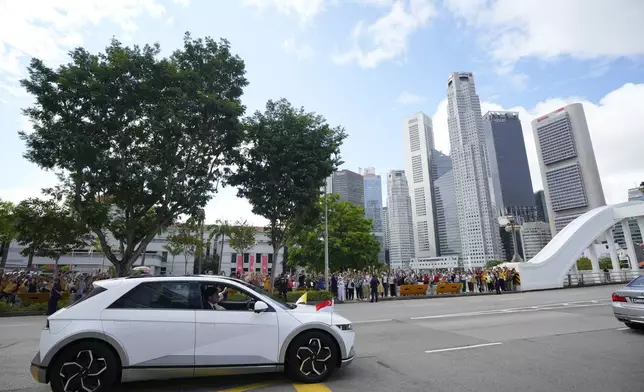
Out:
{"x": 406, "y": 98}
{"x": 305, "y": 10}
{"x": 387, "y": 38}
{"x": 616, "y": 125}
{"x": 48, "y": 29}
{"x": 548, "y": 29}
{"x": 301, "y": 51}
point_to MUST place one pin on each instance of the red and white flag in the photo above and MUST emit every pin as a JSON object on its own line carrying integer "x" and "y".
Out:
{"x": 325, "y": 306}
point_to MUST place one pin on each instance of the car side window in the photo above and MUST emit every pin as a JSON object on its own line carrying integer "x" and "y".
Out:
{"x": 156, "y": 295}
{"x": 227, "y": 296}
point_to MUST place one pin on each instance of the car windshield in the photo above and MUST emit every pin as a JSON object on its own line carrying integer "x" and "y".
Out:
{"x": 275, "y": 298}
{"x": 637, "y": 282}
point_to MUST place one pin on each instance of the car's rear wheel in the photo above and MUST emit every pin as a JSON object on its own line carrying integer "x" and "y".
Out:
{"x": 84, "y": 367}
{"x": 635, "y": 326}
{"x": 312, "y": 357}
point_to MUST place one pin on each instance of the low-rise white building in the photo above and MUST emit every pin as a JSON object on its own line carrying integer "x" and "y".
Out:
{"x": 438, "y": 262}
{"x": 257, "y": 259}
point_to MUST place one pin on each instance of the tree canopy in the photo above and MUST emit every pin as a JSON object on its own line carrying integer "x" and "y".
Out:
{"x": 352, "y": 244}
{"x": 46, "y": 228}
{"x": 288, "y": 155}
{"x": 136, "y": 139}
{"x": 242, "y": 236}
{"x": 7, "y": 232}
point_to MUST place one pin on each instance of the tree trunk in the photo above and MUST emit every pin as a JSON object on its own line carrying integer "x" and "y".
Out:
{"x": 273, "y": 265}
{"x": 143, "y": 257}
{"x": 172, "y": 265}
{"x": 55, "y": 265}
{"x": 221, "y": 255}
{"x": 4, "y": 253}
{"x": 30, "y": 260}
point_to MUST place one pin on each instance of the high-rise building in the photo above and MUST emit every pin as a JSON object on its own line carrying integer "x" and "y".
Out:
{"x": 399, "y": 220}
{"x": 542, "y": 207}
{"x": 419, "y": 143}
{"x": 445, "y": 211}
{"x": 348, "y": 185}
{"x": 373, "y": 206}
{"x": 477, "y": 219}
{"x": 568, "y": 168}
{"x": 635, "y": 194}
{"x": 509, "y": 166}
{"x": 534, "y": 237}
{"x": 385, "y": 225}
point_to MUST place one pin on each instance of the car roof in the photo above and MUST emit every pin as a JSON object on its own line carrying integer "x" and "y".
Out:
{"x": 133, "y": 280}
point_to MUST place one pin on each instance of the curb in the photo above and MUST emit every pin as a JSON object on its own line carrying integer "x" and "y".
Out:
{"x": 22, "y": 314}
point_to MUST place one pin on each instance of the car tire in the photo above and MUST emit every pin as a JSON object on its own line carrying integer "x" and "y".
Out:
{"x": 88, "y": 366}
{"x": 635, "y": 326}
{"x": 312, "y": 357}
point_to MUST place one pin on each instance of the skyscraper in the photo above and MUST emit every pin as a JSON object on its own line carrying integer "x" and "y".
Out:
{"x": 542, "y": 207}
{"x": 509, "y": 166}
{"x": 348, "y": 185}
{"x": 399, "y": 220}
{"x": 446, "y": 213}
{"x": 385, "y": 224}
{"x": 373, "y": 205}
{"x": 534, "y": 237}
{"x": 478, "y": 225}
{"x": 568, "y": 168}
{"x": 419, "y": 139}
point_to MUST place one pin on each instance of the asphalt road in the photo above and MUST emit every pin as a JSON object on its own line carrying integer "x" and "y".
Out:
{"x": 564, "y": 340}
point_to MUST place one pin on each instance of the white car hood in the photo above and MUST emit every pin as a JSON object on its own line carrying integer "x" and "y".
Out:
{"x": 307, "y": 313}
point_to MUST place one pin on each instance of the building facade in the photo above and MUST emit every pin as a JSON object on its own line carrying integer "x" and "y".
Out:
{"x": 568, "y": 167}
{"x": 419, "y": 144}
{"x": 478, "y": 226}
{"x": 257, "y": 259}
{"x": 399, "y": 220}
{"x": 348, "y": 185}
{"x": 373, "y": 206}
{"x": 534, "y": 237}
{"x": 542, "y": 207}
{"x": 509, "y": 169}
{"x": 385, "y": 224}
{"x": 635, "y": 194}
{"x": 445, "y": 209}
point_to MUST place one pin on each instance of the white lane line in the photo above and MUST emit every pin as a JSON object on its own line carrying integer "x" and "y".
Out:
{"x": 507, "y": 311}
{"x": 441, "y": 350}
{"x": 371, "y": 321}
{"x": 623, "y": 329}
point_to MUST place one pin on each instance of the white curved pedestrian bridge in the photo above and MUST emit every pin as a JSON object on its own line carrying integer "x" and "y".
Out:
{"x": 550, "y": 266}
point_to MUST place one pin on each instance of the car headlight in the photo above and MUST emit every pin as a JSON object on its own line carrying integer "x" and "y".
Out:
{"x": 345, "y": 327}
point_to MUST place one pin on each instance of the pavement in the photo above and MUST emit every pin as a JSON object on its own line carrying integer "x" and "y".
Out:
{"x": 562, "y": 340}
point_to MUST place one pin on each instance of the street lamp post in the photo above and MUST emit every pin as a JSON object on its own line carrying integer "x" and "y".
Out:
{"x": 511, "y": 228}
{"x": 326, "y": 240}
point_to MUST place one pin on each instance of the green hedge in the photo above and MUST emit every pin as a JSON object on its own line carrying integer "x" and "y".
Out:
{"x": 37, "y": 307}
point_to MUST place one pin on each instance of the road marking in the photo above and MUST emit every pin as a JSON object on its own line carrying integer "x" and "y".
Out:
{"x": 623, "y": 329}
{"x": 511, "y": 310}
{"x": 250, "y": 387}
{"x": 311, "y": 388}
{"x": 441, "y": 350}
{"x": 21, "y": 325}
{"x": 372, "y": 321}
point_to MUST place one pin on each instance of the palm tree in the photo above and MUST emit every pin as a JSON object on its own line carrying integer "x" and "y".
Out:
{"x": 174, "y": 250}
{"x": 221, "y": 228}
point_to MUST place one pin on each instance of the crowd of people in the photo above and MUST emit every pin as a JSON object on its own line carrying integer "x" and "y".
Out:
{"x": 348, "y": 285}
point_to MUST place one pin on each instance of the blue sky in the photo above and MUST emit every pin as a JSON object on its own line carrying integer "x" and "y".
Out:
{"x": 365, "y": 65}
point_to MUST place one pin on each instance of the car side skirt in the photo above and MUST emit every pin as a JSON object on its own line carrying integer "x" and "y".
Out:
{"x": 136, "y": 373}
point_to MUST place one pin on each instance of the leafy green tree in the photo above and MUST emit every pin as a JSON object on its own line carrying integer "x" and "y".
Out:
{"x": 46, "y": 228}
{"x": 7, "y": 232}
{"x": 138, "y": 140}
{"x": 493, "y": 263}
{"x": 242, "y": 237}
{"x": 584, "y": 264}
{"x": 187, "y": 238}
{"x": 352, "y": 243}
{"x": 219, "y": 230}
{"x": 288, "y": 155}
{"x": 605, "y": 263}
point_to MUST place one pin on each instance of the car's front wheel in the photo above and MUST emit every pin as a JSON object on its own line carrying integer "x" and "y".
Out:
{"x": 312, "y": 357}
{"x": 84, "y": 367}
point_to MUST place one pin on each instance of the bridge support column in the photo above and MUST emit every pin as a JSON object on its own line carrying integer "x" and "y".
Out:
{"x": 610, "y": 241}
{"x": 594, "y": 261}
{"x": 630, "y": 248}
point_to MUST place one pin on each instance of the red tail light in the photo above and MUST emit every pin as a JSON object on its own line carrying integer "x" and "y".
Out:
{"x": 618, "y": 298}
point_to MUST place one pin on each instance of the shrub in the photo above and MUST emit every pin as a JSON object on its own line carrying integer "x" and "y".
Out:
{"x": 312, "y": 296}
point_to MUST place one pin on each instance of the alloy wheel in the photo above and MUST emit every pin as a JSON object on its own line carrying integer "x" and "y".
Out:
{"x": 313, "y": 357}
{"x": 84, "y": 373}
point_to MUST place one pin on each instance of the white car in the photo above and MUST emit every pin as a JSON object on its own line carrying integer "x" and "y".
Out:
{"x": 143, "y": 328}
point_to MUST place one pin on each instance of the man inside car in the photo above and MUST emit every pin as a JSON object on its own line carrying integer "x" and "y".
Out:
{"x": 213, "y": 296}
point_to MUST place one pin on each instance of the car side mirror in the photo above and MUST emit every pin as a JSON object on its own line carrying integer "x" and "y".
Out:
{"x": 260, "y": 307}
